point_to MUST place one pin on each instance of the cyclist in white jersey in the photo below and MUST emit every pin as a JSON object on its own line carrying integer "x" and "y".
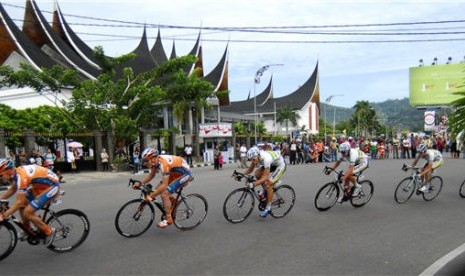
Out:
{"x": 358, "y": 162}
{"x": 270, "y": 167}
{"x": 433, "y": 160}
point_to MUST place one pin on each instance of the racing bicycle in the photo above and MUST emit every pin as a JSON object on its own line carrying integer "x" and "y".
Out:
{"x": 414, "y": 182}
{"x": 462, "y": 189}
{"x": 72, "y": 228}
{"x": 136, "y": 216}
{"x": 240, "y": 202}
{"x": 328, "y": 194}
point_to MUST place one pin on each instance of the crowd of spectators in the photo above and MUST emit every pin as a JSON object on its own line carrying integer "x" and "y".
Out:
{"x": 402, "y": 147}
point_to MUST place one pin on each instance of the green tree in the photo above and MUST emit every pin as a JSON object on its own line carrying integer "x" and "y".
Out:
{"x": 285, "y": 116}
{"x": 364, "y": 119}
{"x": 457, "y": 118}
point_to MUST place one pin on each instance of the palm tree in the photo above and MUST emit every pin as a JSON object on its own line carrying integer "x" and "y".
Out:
{"x": 286, "y": 115}
{"x": 457, "y": 118}
{"x": 364, "y": 118}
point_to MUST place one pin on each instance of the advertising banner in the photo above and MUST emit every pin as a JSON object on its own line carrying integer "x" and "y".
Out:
{"x": 212, "y": 130}
{"x": 430, "y": 119}
{"x": 435, "y": 85}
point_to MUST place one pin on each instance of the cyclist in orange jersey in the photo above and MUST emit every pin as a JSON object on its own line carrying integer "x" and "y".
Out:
{"x": 175, "y": 173}
{"x": 34, "y": 186}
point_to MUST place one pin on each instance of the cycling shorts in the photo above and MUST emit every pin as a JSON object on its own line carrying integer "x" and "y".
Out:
{"x": 39, "y": 198}
{"x": 360, "y": 167}
{"x": 177, "y": 180}
{"x": 436, "y": 164}
{"x": 276, "y": 172}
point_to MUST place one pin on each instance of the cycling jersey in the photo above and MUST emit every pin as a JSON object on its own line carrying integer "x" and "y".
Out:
{"x": 432, "y": 156}
{"x": 356, "y": 158}
{"x": 176, "y": 168}
{"x": 41, "y": 184}
{"x": 273, "y": 161}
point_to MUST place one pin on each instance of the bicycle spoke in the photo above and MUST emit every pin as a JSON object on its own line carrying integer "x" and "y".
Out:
{"x": 238, "y": 205}
{"x": 190, "y": 211}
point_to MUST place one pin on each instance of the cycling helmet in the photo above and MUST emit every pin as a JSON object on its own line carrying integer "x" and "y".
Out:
{"x": 149, "y": 153}
{"x": 253, "y": 152}
{"x": 344, "y": 148}
{"x": 421, "y": 148}
{"x": 6, "y": 164}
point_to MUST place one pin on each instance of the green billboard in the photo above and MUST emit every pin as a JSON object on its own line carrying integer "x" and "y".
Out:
{"x": 434, "y": 85}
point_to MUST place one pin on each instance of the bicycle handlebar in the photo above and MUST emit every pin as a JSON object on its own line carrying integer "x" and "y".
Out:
{"x": 238, "y": 176}
{"x": 145, "y": 188}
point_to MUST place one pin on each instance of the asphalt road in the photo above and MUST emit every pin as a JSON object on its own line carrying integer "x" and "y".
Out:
{"x": 382, "y": 238}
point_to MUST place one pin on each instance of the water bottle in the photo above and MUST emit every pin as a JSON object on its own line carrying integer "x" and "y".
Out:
{"x": 261, "y": 196}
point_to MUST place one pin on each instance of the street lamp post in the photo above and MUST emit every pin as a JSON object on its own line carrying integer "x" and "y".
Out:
{"x": 258, "y": 75}
{"x": 328, "y": 100}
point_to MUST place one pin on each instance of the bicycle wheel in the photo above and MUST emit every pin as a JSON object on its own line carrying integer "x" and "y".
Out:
{"x": 326, "y": 196}
{"x": 190, "y": 211}
{"x": 283, "y": 201}
{"x": 434, "y": 189}
{"x": 366, "y": 192}
{"x": 404, "y": 190}
{"x": 134, "y": 218}
{"x": 238, "y": 205}
{"x": 72, "y": 228}
{"x": 462, "y": 189}
{"x": 8, "y": 239}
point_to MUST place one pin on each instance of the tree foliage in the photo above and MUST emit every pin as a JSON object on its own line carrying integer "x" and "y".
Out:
{"x": 457, "y": 118}
{"x": 285, "y": 116}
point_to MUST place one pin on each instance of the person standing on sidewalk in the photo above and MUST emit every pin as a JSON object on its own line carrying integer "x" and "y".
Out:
{"x": 105, "y": 160}
{"x": 136, "y": 160}
{"x": 188, "y": 152}
{"x": 243, "y": 155}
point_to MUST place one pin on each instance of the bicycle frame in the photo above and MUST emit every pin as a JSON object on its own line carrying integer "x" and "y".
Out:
{"x": 33, "y": 236}
{"x": 146, "y": 189}
{"x": 338, "y": 174}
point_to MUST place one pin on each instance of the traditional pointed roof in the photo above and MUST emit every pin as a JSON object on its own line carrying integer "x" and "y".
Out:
{"x": 219, "y": 77}
{"x": 173, "y": 51}
{"x": 297, "y": 100}
{"x": 157, "y": 51}
{"x": 13, "y": 40}
{"x": 36, "y": 27}
{"x": 61, "y": 27}
{"x": 247, "y": 106}
{"x": 195, "y": 52}
{"x": 143, "y": 61}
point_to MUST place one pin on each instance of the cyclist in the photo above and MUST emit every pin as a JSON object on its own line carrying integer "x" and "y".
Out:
{"x": 358, "y": 162}
{"x": 433, "y": 161}
{"x": 175, "y": 173}
{"x": 270, "y": 168}
{"x": 37, "y": 186}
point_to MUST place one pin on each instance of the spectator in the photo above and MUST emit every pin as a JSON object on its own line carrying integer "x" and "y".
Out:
{"x": 105, "y": 160}
{"x": 292, "y": 152}
{"x": 333, "y": 148}
{"x": 71, "y": 160}
{"x": 50, "y": 158}
{"x": 395, "y": 148}
{"x": 237, "y": 155}
{"x": 188, "y": 153}
{"x": 136, "y": 160}
{"x": 220, "y": 161}
{"x": 216, "y": 154}
{"x": 243, "y": 155}
{"x": 406, "y": 145}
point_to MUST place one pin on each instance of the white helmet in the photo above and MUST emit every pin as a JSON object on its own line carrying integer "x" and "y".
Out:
{"x": 422, "y": 148}
{"x": 149, "y": 153}
{"x": 344, "y": 148}
{"x": 253, "y": 152}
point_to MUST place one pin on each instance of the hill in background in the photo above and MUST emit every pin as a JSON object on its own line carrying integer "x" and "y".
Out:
{"x": 397, "y": 114}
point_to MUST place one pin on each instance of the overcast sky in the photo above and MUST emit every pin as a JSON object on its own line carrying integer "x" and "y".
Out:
{"x": 354, "y": 70}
